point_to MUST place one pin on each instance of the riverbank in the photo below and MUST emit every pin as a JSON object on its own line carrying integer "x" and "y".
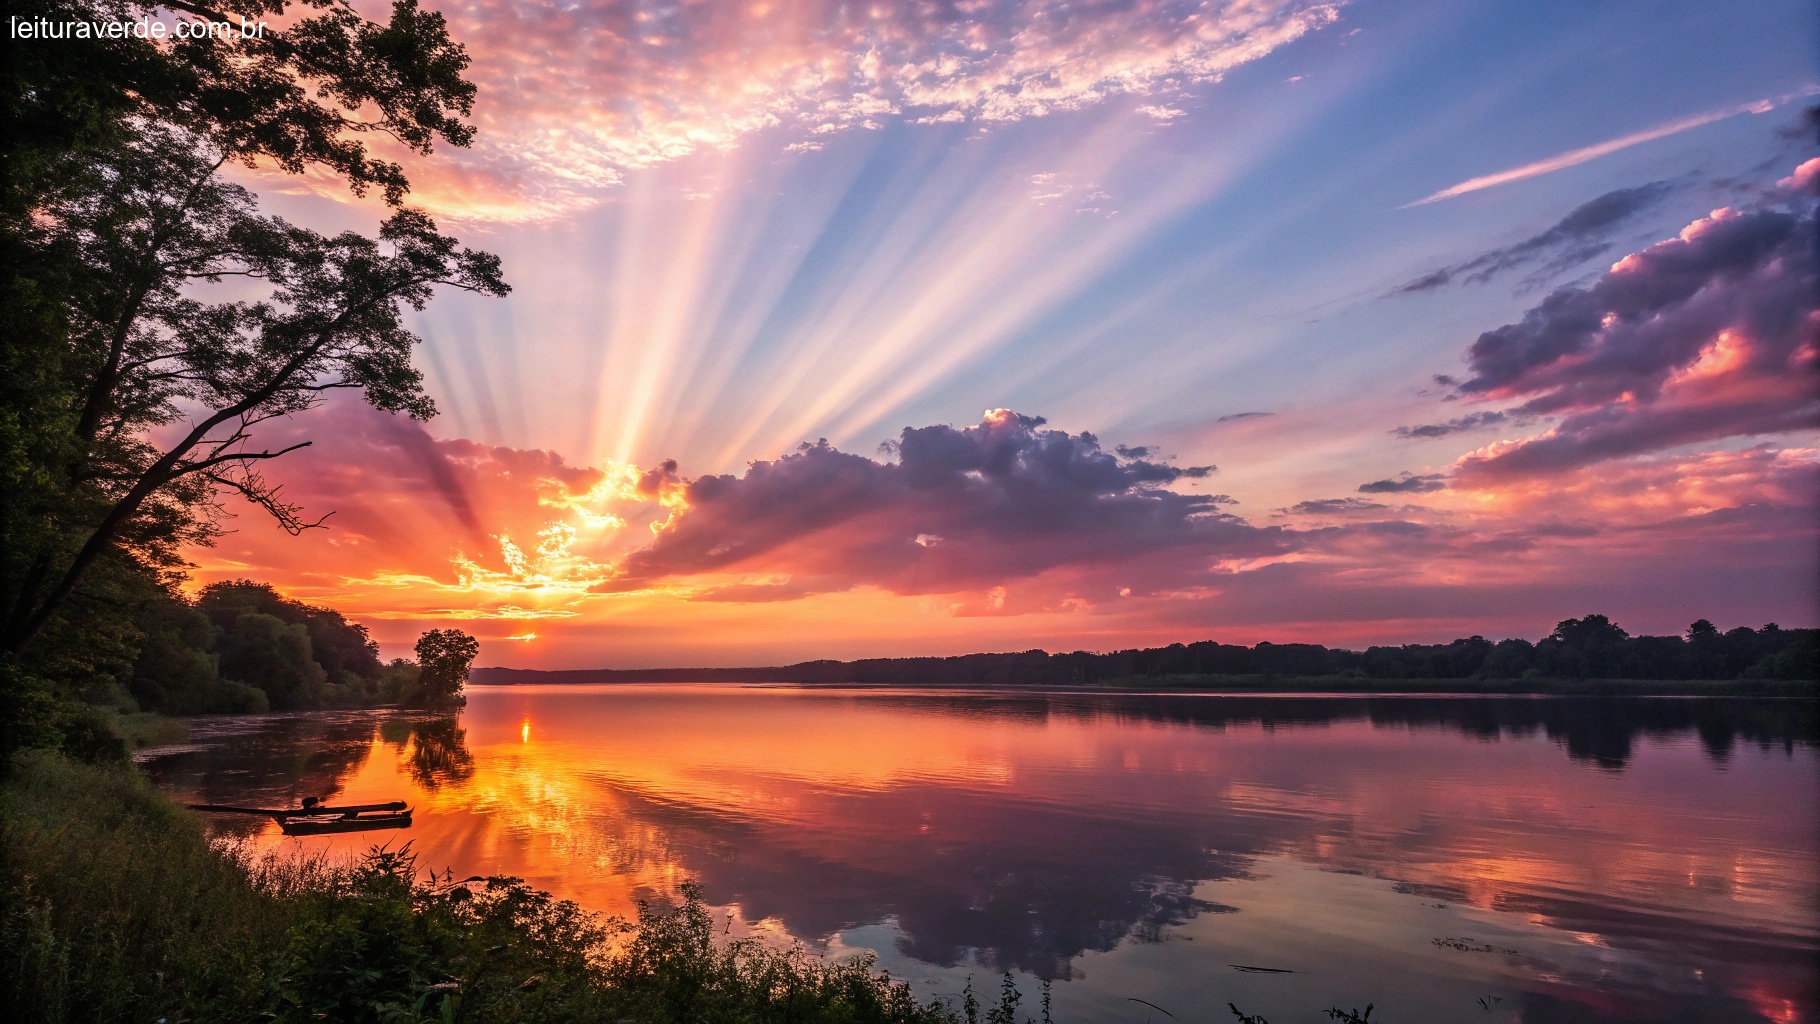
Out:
{"x": 1252, "y": 685}
{"x": 118, "y": 907}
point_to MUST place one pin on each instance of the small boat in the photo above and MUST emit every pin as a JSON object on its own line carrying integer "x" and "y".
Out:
{"x": 316, "y": 818}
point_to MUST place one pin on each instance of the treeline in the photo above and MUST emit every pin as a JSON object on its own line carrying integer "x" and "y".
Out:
{"x": 242, "y": 647}
{"x": 1592, "y": 647}
{"x": 238, "y": 647}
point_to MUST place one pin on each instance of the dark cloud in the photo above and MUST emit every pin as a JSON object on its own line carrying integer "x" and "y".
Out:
{"x": 1652, "y": 314}
{"x": 1243, "y": 416}
{"x": 1574, "y": 239}
{"x": 1333, "y": 506}
{"x": 763, "y": 593}
{"x": 954, "y": 508}
{"x": 1471, "y": 421}
{"x": 1406, "y": 483}
{"x": 1706, "y": 335}
{"x": 1805, "y": 128}
{"x": 436, "y": 463}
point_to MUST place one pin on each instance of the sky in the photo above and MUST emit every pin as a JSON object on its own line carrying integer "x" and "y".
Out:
{"x": 927, "y": 328}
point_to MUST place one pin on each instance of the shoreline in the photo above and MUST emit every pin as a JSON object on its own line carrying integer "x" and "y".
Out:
{"x": 1257, "y": 686}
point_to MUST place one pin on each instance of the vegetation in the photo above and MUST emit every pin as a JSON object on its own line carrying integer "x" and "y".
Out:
{"x": 1590, "y": 654}
{"x": 444, "y": 657}
{"x": 153, "y": 322}
{"x": 116, "y": 907}
{"x": 238, "y": 647}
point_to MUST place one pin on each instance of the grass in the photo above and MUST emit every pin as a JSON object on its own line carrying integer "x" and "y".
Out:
{"x": 145, "y": 729}
{"x": 116, "y": 907}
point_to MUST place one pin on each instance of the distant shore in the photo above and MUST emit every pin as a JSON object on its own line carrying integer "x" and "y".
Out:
{"x": 1250, "y": 685}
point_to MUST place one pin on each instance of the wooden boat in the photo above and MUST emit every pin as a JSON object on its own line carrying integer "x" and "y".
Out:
{"x": 316, "y": 818}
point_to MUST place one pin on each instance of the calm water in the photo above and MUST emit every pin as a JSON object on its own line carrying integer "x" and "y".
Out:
{"x": 1472, "y": 859}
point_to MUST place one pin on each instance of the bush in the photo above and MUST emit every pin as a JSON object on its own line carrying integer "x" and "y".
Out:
{"x": 233, "y": 697}
{"x": 149, "y": 730}
{"x": 117, "y": 908}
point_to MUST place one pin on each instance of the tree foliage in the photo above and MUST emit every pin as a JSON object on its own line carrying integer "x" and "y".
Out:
{"x": 444, "y": 657}
{"x": 152, "y": 318}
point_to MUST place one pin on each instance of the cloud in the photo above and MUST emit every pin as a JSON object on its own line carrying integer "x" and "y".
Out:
{"x": 1804, "y": 180}
{"x": 1157, "y": 112}
{"x": 1575, "y": 157}
{"x": 1242, "y": 416}
{"x": 1406, "y": 483}
{"x": 956, "y": 509}
{"x": 1575, "y": 238}
{"x": 1333, "y": 506}
{"x": 1707, "y": 335}
{"x": 474, "y": 531}
{"x": 573, "y": 96}
{"x": 1650, "y": 491}
{"x": 1005, "y": 534}
{"x": 1050, "y": 188}
{"x": 1470, "y": 421}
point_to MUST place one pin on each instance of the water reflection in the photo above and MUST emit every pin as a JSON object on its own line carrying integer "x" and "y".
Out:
{"x": 1630, "y": 858}
{"x": 438, "y": 753}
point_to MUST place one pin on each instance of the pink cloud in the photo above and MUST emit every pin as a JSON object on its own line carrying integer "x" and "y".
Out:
{"x": 958, "y": 509}
{"x": 1704, "y": 336}
{"x": 573, "y": 96}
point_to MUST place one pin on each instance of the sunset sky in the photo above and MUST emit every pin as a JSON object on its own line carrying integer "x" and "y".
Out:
{"x": 849, "y": 330}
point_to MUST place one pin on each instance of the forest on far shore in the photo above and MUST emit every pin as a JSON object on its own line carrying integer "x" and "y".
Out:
{"x": 1592, "y": 647}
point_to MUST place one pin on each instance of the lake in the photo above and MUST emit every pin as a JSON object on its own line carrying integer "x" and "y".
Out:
{"x": 1445, "y": 858}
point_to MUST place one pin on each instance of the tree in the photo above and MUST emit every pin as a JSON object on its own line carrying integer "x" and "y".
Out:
{"x": 1591, "y": 631}
{"x": 303, "y": 92}
{"x": 116, "y": 222}
{"x": 275, "y": 656}
{"x": 346, "y": 652}
{"x": 443, "y": 658}
{"x": 154, "y": 354}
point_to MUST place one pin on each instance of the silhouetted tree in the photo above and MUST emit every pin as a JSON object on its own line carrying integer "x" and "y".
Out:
{"x": 348, "y": 671}
{"x": 134, "y": 391}
{"x": 443, "y": 659}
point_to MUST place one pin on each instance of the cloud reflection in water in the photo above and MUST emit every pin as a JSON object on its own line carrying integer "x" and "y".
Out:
{"x": 1634, "y": 851}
